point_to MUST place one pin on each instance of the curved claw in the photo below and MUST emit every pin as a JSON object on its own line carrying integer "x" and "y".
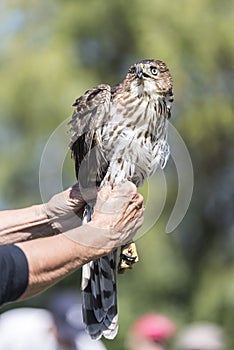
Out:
{"x": 128, "y": 257}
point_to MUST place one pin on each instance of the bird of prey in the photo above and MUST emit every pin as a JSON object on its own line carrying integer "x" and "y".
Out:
{"x": 118, "y": 133}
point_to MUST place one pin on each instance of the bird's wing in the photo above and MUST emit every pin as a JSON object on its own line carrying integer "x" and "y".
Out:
{"x": 91, "y": 113}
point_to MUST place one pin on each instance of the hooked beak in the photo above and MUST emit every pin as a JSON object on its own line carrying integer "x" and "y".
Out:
{"x": 139, "y": 72}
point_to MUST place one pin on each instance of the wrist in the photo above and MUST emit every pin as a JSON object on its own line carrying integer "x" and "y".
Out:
{"x": 93, "y": 238}
{"x": 40, "y": 214}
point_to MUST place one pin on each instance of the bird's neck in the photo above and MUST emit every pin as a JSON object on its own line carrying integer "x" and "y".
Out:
{"x": 144, "y": 89}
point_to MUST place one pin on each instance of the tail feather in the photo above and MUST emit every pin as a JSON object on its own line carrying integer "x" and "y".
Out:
{"x": 99, "y": 297}
{"x": 108, "y": 281}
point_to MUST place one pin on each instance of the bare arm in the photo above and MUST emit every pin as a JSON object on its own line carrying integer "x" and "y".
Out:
{"x": 117, "y": 216}
{"x": 61, "y": 213}
{"x": 19, "y": 225}
{"x": 52, "y": 258}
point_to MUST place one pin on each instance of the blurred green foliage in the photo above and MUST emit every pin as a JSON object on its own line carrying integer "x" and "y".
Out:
{"x": 52, "y": 51}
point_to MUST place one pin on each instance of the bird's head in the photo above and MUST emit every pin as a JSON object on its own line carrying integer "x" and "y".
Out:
{"x": 150, "y": 77}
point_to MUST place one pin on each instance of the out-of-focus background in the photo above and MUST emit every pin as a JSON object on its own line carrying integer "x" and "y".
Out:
{"x": 50, "y": 53}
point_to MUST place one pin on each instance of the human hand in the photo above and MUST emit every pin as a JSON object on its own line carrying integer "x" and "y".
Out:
{"x": 65, "y": 209}
{"x": 120, "y": 210}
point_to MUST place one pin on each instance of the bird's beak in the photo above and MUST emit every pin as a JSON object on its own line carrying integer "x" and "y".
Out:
{"x": 139, "y": 71}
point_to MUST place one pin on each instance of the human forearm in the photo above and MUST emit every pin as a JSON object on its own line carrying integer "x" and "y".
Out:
{"x": 24, "y": 224}
{"x": 52, "y": 258}
{"x": 61, "y": 213}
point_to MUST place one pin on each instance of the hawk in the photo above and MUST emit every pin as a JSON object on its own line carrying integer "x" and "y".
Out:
{"x": 118, "y": 133}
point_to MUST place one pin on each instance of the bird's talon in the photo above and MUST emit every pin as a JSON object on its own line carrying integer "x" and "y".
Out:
{"x": 128, "y": 257}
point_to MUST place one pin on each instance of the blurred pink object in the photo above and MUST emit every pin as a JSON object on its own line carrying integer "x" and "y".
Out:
{"x": 154, "y": 326}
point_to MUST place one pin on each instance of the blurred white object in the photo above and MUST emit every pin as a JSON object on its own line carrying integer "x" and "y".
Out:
{"x": 59, "y": 328}
{"x": 84, "y": 342}
{"x": 27, "y": 329}
{"x": 201, "y": 336}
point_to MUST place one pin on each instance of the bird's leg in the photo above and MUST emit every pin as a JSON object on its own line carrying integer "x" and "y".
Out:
{"x": 128, "y": 257}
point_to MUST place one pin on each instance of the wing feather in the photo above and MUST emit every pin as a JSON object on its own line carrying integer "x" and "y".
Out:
{"x": 92, "y": 111}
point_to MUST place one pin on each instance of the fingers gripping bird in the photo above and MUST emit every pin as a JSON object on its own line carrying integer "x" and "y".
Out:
{"x": 118, "y": 133}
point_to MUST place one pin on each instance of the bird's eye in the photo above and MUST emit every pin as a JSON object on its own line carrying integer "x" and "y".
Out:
{"x": 154, "y": 70}
{"x": 132, "y": 70}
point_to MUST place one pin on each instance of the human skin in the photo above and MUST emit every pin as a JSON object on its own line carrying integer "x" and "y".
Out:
{"x": 117, "y": 216}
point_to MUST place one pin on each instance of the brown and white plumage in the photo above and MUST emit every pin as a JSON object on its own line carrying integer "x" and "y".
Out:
{"x": 118, "y": 133}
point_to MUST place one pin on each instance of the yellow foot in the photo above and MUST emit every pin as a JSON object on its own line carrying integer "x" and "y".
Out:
{"x": 128, "y": 257}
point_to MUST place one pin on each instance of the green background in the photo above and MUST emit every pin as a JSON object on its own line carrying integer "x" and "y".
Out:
{"x": 51, "y": 52}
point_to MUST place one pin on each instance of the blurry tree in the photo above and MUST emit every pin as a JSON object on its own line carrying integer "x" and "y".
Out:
{"x": 51, "y": 52}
